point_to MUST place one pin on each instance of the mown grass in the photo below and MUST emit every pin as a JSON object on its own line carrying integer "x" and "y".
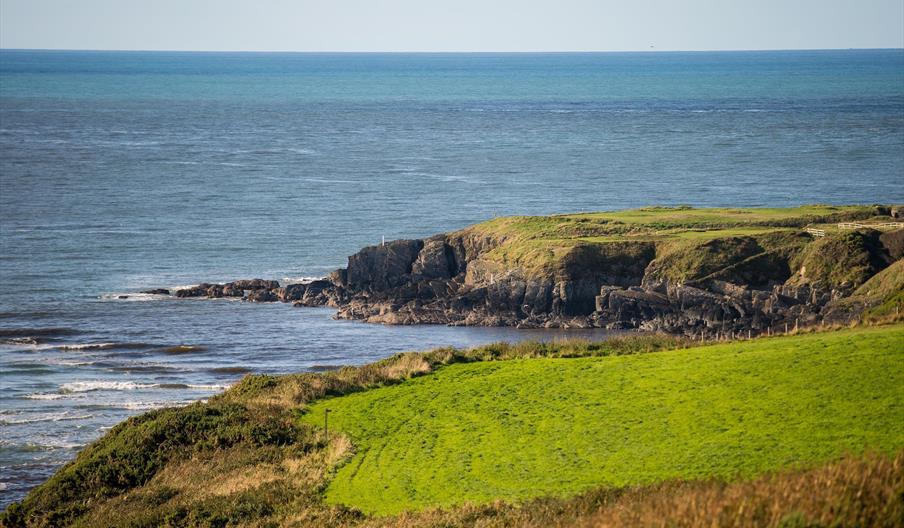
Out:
{"x": 478, "y": 432}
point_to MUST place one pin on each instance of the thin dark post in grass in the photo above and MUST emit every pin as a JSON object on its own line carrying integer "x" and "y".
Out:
{"x": 326, "y": 430}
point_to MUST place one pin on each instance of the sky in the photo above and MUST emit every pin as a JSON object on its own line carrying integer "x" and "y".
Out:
{"x": 457, "y": 25}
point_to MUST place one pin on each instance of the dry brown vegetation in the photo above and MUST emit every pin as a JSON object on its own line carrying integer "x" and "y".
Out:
{"x": 854, "y": 492}
{"x": 295, "y": 390}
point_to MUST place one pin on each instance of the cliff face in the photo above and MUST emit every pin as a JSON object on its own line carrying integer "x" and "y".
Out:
{"x": 453, "y": 279}
{"x": 723, "y": 285}
{"x": 678, "y": 270}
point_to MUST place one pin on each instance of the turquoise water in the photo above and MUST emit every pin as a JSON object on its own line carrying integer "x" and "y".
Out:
{"x": 126, "y": 171}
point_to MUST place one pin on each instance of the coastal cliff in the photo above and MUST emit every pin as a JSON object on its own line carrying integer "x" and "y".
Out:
{"x": 680, "y": 270}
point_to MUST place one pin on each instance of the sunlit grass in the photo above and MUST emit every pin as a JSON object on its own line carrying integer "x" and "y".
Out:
{"x": 525, "y": 428}
{"x": 536, "y": 244}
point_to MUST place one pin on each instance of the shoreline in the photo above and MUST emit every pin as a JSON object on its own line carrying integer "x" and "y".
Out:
{"x": 701, "y": 273}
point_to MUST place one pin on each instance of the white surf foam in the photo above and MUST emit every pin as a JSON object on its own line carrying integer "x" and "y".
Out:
{"x": 299, "y": 280}
{"x": 209, "y": 387}
{"x": 69, "y": 363}
{"x": 147, "y": 405}
{"x": 25, "y": 346}
{"x": 87, "y": 346}
{"x": 46, "y": 417}
{"x": 45, "y": 396}
{"x": 88, "y": 386}
{"x": 132, "y": 297}
{"x": 54, "y": 444}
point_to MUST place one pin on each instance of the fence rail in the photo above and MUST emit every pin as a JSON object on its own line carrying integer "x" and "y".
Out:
{"x": 816, "y": 232}
{"x": 882, "y": 226}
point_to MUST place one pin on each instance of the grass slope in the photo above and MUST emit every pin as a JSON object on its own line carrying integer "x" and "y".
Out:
{"x": 525, "y": 428}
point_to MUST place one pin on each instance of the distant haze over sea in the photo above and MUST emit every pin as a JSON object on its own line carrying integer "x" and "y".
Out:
{"x": 123, "y": 171}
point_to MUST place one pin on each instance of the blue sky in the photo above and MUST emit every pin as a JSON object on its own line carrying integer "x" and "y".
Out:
{"x": 460, "y": 25}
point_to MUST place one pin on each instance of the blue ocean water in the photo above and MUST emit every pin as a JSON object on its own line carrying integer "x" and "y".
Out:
{"x": 121, "y": 171}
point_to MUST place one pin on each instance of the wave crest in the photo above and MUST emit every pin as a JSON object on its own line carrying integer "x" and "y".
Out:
{"x": 88, "y": 386}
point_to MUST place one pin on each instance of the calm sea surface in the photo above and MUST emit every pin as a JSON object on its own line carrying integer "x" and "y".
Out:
{"x": 125, "y": 171}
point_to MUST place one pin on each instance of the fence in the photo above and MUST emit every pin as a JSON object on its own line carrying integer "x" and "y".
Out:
{"x": 883, "y": 226}
{"x": 816, "y": 232}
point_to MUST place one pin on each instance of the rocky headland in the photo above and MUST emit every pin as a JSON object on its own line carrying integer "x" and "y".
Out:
{"x": 697, "y": 272}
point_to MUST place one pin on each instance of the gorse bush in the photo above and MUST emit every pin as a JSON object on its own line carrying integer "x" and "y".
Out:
{"x": 135, "y": 450}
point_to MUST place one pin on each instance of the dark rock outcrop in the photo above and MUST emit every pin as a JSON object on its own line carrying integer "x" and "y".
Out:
{"x": 225, "y": 290}
{"x": 255, "y": 284}
{"x": 238, "y": 288}
{"x": 291, "y": 292}
{"x": 724, "y": 286}
{"x": 194, "y": 291}
{"x": 261, "y": 295}
{"x": 157, "y": 291}
{"x": 381, "y": 268}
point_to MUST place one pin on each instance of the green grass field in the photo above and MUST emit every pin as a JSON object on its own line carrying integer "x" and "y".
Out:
{"x": 524, "y": 428}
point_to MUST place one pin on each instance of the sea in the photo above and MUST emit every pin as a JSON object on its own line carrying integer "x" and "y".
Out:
{"x": 124, "y": 171}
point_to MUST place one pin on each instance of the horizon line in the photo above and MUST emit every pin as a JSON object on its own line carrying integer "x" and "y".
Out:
{"x": 459, "y": 52}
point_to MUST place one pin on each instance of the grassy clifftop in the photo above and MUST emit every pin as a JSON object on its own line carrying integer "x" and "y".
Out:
{"x": 537, "y": 244}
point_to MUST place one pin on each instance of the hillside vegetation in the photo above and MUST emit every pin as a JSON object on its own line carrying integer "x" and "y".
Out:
{"x": 701, "y": 421}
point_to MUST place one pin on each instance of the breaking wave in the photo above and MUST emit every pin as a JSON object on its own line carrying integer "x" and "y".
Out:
{"x": 88, "y": 386}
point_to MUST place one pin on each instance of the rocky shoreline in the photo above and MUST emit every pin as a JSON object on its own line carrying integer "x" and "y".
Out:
{"x": 724, "y": 285}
